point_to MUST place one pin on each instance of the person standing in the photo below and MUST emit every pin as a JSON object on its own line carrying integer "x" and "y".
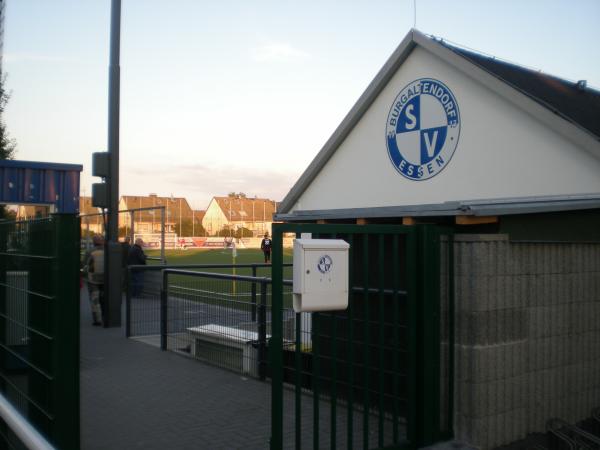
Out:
{"x": 125, "y": 247}
{"x": 137, "y": 257}
{"x": 94, "y": 266}
{"x": 265, "y": 246}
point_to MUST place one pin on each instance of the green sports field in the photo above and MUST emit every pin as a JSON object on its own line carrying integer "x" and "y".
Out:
{"x": 216, "y": 256}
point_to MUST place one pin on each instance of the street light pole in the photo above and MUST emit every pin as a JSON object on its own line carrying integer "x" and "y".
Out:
{"x": 112, "y": 315}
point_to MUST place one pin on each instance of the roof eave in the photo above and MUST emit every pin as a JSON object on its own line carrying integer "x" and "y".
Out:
{"x": 484, "y": 207}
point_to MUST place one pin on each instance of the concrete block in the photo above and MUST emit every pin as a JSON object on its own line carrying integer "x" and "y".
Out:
{"x": 492, "y": 431}
{"x": 493, "y": 398}
{"x": 548, "y": 352}
{"x": 545, "y": 321}
{"x": 492, "y": 327}
{"x": 487, "y": 363}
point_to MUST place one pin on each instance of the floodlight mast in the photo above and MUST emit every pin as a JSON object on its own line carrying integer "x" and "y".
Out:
{"x": 112, "y": 247}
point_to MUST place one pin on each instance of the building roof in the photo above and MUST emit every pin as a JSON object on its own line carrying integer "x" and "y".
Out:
{"x": 482, "y": 207}
{"x": 578, "y": 104}
{"x": 245, "y": 209}
{"x": 152, "y": 200}
{"x": 555, "y": 102}
{"x": 199, "y": 214}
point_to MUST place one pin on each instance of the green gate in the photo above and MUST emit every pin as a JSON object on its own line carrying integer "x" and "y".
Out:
{"x": 39, "y": 327}
{"x": 378, "y": 374}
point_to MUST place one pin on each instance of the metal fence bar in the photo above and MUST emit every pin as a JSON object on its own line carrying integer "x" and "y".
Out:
{"x": 298, "y": 380}
{"x": 128, "y": 303}
{"x": 27, "y": 434}
{"x": 365, "y": 265}
{"x": 450, "y": 423}
{"x": 396, "y": 337}
{"x": 262, "y": 330}
{"x": 381, "y": 337}
{"x": 350, "y": 350}
{"x": 276, "y": 344}
{"x": 316, "y": 319}
{"x": 164, "y": 298}
{"x": 254, "y": 295}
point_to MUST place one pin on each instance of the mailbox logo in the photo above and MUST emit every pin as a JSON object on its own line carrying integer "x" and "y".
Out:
{"x": 422, "y": 129}
{"x": 325, "y": 263}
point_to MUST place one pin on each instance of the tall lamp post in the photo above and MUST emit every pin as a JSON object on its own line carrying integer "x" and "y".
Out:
{"x": 112, "y": 246}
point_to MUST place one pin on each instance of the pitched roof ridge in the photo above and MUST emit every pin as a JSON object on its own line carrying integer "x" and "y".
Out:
{"x": 455, "y": 45}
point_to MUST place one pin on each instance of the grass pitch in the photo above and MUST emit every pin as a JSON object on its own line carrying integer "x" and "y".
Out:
{"x": 215, "y": 256}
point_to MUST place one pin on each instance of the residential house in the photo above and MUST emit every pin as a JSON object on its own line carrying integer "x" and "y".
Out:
{"x": 235, "y": 212}
{"x": 91, "y": 217}
{"x": 177, "y": 211}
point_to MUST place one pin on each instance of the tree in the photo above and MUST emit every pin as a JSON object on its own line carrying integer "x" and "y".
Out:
{"x": 7, "y": 145}
{"x": 237, "y": 233}
{"x": 188, "y": 230}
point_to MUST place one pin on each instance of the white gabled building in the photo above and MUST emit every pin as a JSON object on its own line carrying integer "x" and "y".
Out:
{"x": 234, "y": 212}
{"x": 510, "y": 159}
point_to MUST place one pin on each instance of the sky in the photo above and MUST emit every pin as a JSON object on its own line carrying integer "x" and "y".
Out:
{"x": 240, "y": 95}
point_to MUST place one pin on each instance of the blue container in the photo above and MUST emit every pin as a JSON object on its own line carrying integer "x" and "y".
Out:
{"x": 40, "y": 183}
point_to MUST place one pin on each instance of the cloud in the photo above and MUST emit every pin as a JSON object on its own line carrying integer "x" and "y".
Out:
{"x": 199, "y": 183}
{"x": 278, "y": 52}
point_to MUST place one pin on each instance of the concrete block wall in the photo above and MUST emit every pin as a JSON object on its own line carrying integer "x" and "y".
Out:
{"x": 527, "y": 339}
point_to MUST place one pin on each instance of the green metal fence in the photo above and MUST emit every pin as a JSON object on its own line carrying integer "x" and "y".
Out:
{"x": 39, "y": 326}
{"x": 371, "y": 376}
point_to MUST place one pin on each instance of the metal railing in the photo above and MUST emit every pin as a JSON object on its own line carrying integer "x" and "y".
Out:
{"x": 21, "y": 428}
{"x": 144, "y": 288}
{"x": 218, "y": 318}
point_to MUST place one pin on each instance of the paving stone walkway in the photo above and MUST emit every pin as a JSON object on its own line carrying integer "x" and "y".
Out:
{"x": 134, "y": 396}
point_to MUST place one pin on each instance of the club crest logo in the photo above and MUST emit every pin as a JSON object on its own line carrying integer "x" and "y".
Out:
{"x": 422, "y": 129}
{"x": 325, "y": 263}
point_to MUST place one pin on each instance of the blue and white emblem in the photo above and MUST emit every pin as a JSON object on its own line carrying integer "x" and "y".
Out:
{"x": 422, "y": 129}
{"x": 325, "y": 263}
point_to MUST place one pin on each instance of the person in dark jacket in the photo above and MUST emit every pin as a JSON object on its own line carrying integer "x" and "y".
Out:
{"x": 265, "y": 246}
{"x": 125, "y": 247}
{"x": 137, "y": 257}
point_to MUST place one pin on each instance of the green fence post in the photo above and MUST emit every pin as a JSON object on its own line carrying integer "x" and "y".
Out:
{"x": 412, "y": 298}
{"x": 428, "y": 279}
{"x": 65, "y": 363}
{"x": 276, "y": 342}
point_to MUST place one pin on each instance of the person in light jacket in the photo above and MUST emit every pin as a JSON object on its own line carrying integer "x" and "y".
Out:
{"x": 94, "y": 267}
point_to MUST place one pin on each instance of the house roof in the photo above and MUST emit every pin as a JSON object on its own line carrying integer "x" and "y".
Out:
{"x": 170, "y": 203}
{"x": 199, "y": 214}
{"x": 553, "y": 101}
{"x": 244, "y": 209}
{"x": 578, "y": 104}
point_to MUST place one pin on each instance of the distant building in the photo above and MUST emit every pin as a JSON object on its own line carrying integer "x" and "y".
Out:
{"x": 25, "y": 212}
{"x": 232, "y": 213}
{"x": 177, "y": 212}
{"x": 91, "y": 219}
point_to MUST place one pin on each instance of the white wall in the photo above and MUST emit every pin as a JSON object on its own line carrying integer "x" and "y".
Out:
{"x": 502, "y": 152}
{"x": 214, "y": 219}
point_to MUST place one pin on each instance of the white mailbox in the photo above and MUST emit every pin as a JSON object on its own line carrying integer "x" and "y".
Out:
{"x": 320, "y": 274}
